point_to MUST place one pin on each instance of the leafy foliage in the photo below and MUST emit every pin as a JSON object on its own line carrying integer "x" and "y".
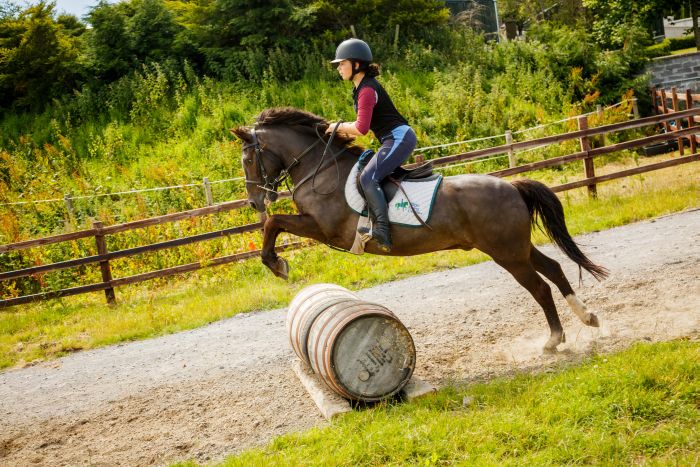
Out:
{"x": 616, "y": 22}
{"x": 39, "y": 57}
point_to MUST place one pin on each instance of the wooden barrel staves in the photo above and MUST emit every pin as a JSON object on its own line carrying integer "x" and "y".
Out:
{"x": 359, "y": 349}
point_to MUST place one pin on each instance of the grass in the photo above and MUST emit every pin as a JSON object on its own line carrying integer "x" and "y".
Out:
{"x": 47, "y": 330}
{"x": 689, "y": 50}
{"x": 636, "y": 407}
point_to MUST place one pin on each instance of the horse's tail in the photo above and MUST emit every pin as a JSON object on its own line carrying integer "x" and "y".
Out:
{"x": 543, "y": 203}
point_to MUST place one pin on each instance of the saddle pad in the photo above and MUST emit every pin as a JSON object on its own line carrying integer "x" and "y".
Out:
{"x": 420, "y": 193}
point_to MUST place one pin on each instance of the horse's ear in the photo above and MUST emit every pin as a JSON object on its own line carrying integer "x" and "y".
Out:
{"x": 242, "y": 133}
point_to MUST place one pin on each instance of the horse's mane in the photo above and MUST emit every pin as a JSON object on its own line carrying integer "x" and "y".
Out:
{"x": 301, "y": 120}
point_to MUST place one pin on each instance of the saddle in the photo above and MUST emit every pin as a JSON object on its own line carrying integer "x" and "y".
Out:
{"x": 390, "y": 185}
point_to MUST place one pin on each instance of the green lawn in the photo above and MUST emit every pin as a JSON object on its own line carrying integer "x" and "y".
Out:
{"x": 639, "y": 407}
{"x": 689, "y": 50}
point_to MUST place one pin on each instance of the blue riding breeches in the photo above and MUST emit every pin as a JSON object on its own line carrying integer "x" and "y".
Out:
{"x": 394, "y": 151}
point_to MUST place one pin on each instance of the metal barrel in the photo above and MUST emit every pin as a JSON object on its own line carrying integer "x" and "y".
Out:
{"x": 305, "y": 308}
{"x": 359, "y": 349}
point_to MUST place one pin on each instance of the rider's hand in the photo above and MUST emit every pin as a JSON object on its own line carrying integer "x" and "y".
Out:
{"x": 331, "y": 127}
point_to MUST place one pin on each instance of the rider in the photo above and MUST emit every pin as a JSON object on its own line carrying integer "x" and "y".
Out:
{"x": 376, "y": 112}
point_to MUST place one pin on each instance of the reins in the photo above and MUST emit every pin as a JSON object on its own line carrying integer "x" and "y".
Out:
{"x": 323, "y": 156}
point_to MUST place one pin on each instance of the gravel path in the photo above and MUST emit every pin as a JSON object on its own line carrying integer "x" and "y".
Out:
{"x": 219, "y": 389}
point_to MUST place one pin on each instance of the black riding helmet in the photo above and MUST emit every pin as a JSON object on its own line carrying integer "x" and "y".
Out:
{"x": 353, "y": 49}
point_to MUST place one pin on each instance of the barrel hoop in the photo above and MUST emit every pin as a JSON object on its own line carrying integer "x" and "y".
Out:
{"x": 300, "y": 309}
{"x": 316, "y": 365}
{"x": 309, "y": 293}
{"x": 309, "y": 318}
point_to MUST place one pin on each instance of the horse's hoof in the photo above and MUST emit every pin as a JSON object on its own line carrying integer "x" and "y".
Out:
{"x": 551, "y": 346}
{"x": 593, "y": 320}
{"x": 281, "y": 269}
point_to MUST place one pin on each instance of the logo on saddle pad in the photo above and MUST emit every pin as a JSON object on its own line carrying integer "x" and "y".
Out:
{"x": 420, "y": 193}
{"x": 404, "y": 205}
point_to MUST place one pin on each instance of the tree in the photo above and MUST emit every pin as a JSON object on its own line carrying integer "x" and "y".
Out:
{"x": 152, "y": 29}
{"x": 109, "y": 41}
{"x": 695, "y": 12}
{"x": 612, "y": 20}
{"x": 39, "y": 59}
{"x": 130, "y": 33}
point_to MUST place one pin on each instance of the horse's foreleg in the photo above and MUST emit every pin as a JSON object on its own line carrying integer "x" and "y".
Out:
{"x": 526, "y": 275}
{"x": 552, "y": 271}
{"x": 303, "y": 226}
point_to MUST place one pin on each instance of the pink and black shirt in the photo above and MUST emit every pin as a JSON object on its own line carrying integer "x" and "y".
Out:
{"x": 375, "y": 110}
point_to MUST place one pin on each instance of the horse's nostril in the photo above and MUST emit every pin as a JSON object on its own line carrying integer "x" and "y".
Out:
{"x": 253, "y": 205}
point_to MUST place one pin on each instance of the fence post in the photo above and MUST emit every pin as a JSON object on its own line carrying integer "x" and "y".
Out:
{"x": 70, "y": 220}
{"x": 396, "y": 37}
{"x": 691, "y": 119}
{"x": 674, "y": 103}
{"x": 635, "y": 108}
{"x": 588, "y": 168}
{"x": 352, "y": 29}
{"x": 664, "y": 109}
{"x": 104, "y": 265}
{"x": 511, "y": 154}
{"x": 654, "y": 107}
{"x": 207, "y": 191}
{"x": 599, "y": 114}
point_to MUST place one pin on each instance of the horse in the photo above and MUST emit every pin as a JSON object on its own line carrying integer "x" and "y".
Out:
{"x": 471, "y": 211}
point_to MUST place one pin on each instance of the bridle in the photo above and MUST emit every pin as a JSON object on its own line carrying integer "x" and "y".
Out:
{"x": 266, "y": 182}
{"x": 270, "y": 185}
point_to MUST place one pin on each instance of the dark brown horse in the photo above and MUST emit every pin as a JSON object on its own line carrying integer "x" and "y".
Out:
{"x": 470, "y": 211}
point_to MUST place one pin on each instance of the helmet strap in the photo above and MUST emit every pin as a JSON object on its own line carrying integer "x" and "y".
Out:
{"x": 354, "y": 70}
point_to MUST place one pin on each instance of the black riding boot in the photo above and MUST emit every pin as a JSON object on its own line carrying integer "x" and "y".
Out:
{"x": 379, "y": 213}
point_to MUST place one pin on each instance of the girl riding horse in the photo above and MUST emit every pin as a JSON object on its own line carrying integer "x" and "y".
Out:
{"x": 375, "y": 111}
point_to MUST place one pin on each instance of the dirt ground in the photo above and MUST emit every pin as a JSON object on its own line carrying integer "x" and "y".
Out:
{"x": 216, "y": 390}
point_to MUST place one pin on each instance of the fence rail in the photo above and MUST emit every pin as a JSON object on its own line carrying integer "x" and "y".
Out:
{"x": 660, "y": 99}
{"x": 586, "y": 154}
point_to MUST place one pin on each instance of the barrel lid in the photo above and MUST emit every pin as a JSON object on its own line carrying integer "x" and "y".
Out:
{"x": 373, "y": 357}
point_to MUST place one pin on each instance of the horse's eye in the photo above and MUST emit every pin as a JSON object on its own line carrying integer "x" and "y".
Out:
{"x": 249, "y": 161}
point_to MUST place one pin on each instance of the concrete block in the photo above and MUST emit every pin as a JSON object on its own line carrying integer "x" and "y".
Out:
{"x": 331, "y": 404}
{"x": 328, "y": 402}
{"x": 417, "y": 388}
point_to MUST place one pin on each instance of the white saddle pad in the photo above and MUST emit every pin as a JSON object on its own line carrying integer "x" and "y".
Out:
{"x": 420, "y": 193}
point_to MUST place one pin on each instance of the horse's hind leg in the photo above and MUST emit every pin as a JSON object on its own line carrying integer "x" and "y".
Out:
{"x": 526, "y": 275}
{"x": 551, "y": 269}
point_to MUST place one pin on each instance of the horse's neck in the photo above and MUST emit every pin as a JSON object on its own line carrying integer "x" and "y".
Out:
{"x": 320, "y": 164}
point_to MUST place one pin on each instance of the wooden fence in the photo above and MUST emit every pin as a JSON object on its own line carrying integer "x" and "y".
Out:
{"x": 661, "y": 99}
{"x": 586, "y": 154}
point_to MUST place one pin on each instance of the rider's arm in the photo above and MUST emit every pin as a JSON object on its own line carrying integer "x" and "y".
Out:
{"x": 365, "y": 105}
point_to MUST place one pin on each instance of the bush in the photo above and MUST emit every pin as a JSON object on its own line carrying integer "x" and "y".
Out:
{"x": 670, "y": 44}
{"x": 661, "y": 49}
{"x": 680, "y": 43}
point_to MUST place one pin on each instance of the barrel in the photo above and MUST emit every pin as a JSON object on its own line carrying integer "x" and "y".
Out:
{"x": 359, "y": 349}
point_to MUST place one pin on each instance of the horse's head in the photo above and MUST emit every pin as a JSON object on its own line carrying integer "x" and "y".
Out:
{"x": 276, "y": 144}
{"x": 262, "y": 167}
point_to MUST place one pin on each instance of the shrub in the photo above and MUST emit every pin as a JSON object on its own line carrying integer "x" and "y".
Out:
{"x": 679, "y": 43}
{"x": 670, "y": 44}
